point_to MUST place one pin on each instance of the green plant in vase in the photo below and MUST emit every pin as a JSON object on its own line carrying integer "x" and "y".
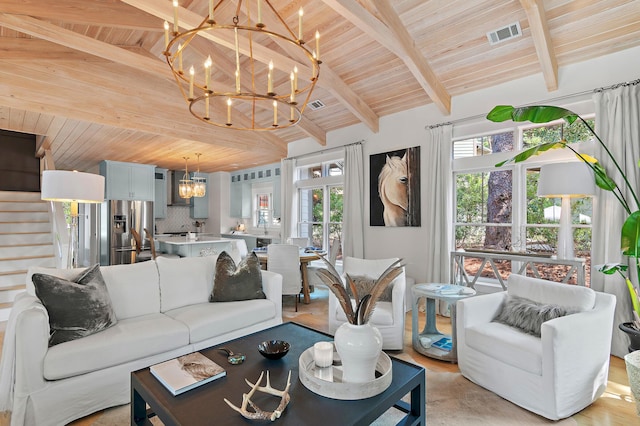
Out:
{"x": 630, "y": 232}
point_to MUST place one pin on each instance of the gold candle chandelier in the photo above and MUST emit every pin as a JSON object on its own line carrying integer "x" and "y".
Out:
{"x": 185, "y": 186}
{"x": 199, "y": 183}
{"x": 266, "y": 90}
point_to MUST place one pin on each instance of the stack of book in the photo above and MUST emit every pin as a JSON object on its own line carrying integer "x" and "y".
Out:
{"x": 186, "y": 372}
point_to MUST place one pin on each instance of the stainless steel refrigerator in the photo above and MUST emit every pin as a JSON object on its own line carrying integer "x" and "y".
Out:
{"x": 117, "y": 218}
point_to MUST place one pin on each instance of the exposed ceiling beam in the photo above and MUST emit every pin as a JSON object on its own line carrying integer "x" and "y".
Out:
{"x": 164, "y": 10}
{"x": 542, "y": 41}
{"x": 396, "y": 39}
{"x": 33, "y": 89}
{"x": 58, "y": 35}
{"x": 85, "y": 12}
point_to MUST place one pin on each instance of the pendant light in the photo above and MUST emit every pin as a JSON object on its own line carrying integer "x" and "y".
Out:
{"x": 199, "y": 183}
{"x": 185, "y": 187}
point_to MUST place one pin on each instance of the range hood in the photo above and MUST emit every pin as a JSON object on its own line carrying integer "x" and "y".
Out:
{"x": 173, "y": 196}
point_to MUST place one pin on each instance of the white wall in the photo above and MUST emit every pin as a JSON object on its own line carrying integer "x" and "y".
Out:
{"x": 407, "y": 129}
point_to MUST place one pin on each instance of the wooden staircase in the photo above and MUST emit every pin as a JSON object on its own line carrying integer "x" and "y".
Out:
{"x": 25, "y": 240}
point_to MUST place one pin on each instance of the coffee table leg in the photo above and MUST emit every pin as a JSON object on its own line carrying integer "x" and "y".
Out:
{"x": 418, "y": 401}
{"x": 138, "y": 409}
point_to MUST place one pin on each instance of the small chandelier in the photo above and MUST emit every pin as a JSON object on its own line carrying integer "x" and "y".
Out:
{"x": 257, "y": 96}
{"x": 199, "y": 183}
{"x": 185, "y": 187}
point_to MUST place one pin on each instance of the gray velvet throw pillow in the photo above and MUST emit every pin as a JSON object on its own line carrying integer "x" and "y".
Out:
{"x": 528, "y": 315}
{"x": 364, "y": 285}
{"x": 76, "y": 308}
{"x": 233, "y": 284}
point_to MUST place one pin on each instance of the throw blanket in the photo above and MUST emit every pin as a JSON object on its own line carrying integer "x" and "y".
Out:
{"x": 22, "y": 303}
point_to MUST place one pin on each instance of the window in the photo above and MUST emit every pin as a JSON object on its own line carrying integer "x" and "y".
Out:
{"x": 498, "y": 208}
{"x": 262, "y": 206}
{"x": 320, "y": 200}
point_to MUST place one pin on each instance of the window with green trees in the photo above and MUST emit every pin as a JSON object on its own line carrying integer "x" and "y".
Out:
{"x": 498, "y": 208}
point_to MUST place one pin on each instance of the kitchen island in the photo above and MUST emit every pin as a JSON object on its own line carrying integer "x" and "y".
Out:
{"x": 185, "y": 247}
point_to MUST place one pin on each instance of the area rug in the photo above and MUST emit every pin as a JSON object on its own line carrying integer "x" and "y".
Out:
{"x": 451, "y": 399}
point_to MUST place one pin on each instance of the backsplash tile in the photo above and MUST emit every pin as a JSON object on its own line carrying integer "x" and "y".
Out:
{"x": 177, "y": 220}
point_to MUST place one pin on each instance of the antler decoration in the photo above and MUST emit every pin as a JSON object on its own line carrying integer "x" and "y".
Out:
{"x": 366, "y": 305}
{"x": 259, "y": 414}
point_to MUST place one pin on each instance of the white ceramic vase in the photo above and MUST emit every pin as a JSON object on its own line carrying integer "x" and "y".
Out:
{"x": 359, "y": 347}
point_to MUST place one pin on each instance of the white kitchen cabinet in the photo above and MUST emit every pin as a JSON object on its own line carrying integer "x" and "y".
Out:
{"x": 199, "y": 208}
{"x": 128, "y": 181}
{"x": 160, "y": 201}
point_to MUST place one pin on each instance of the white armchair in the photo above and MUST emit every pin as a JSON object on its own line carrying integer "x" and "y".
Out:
{"x": 555, "y": 375}
{"x": 388, "y": 317}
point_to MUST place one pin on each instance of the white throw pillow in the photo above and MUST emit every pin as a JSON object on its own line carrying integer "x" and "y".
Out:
{"x": 185, "y": 281}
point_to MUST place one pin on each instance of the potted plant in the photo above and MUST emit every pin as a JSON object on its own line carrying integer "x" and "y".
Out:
{"x": 357, "y": 342}
{"x": 630, "y": 232}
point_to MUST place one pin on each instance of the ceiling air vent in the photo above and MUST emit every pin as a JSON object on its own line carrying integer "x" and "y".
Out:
{"x": 314, "y": 105}
{"x": 505, "y": 33}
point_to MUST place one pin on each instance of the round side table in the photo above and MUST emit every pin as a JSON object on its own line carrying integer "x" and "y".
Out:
{"x": 431, "y": 342}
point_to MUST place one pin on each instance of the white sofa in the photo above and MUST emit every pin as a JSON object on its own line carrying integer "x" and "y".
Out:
{"x": 163, "y": 312}
{"x": 555, "y": 375}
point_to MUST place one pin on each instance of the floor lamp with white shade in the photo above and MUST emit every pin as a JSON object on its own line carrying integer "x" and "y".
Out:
{"x": 74, "y": 187}
{"x": 566, "y": 181}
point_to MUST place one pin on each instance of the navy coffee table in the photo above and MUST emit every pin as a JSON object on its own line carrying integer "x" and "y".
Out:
{"x": 205, "y": 405}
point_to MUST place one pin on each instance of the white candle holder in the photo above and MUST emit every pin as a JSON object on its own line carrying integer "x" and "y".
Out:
{"x": 323, "y": 354}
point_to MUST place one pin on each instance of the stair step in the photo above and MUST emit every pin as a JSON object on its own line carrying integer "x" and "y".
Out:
{"x": 22, "y": 264}
{"x": 32, "y": 256}
{"x": 11, "y": 280}
{"x": 19, "y": 196}
{"x": 24, "y": 216}
{"x": 14, "y": 287}
{"x": 26, "y": 238}
{"x": 6, "y": 206}
{"x": 8, "y": 296}
{"x": 24, "y": 227}
{"x": 25, "y": 250}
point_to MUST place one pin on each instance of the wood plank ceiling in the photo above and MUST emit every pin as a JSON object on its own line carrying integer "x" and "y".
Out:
{"x": 89, "y": 76}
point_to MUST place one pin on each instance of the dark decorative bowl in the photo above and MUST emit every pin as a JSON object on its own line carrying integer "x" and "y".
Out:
{"x": 274, "y": 349}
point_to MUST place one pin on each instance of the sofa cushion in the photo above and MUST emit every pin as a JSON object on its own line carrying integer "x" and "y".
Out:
{"x": 235, "y": 284}
{"x": 208, "y": 320}
{"x": 506, "y": 344}
{"x": 134, "y": 288}
{"x": 382, "y": 314}
{"x": 130, "y": 339}
{"x": 185, "y": 281}
{"x": 528, "y": 315}
{"x": 76, "y": 308}
{"x": 542, "y": 291}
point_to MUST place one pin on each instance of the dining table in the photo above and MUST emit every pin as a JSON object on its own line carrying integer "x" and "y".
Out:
{"x": 305, "y": 258}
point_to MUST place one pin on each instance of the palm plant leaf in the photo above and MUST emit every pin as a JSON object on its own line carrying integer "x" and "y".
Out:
{"x": 330, "y": 266}
{"x": 336, "y": 286}
{"x": 354, "y": 289}
{"x": 390, "y": 274}
{"x": 361, "y": 309}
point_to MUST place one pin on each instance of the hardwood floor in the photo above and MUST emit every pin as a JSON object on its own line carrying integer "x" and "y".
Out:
{"x": 615, "y": 407}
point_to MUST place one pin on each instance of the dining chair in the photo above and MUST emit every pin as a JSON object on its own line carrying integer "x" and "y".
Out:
{"x": 302, "y": 242}
{"x": 141, "y": 256}
{"x": 152, "y": 244}
{"x": 316, "y": 265}
{"x": 238, "y": 250}
{"x": 284, "y": 259}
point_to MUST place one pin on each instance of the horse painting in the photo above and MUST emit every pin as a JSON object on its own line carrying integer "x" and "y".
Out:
{"x": 393, "y": 192}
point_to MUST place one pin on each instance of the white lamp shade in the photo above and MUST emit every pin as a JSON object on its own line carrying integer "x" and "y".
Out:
{"x": 574, "y": 179}
{"x": 64, "y": 185}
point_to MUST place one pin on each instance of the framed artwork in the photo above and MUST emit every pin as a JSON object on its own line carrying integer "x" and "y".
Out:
{"x": 395, "y": 188}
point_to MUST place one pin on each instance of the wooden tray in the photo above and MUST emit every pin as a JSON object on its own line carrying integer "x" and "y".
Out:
{"x": 328, "y": 381}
